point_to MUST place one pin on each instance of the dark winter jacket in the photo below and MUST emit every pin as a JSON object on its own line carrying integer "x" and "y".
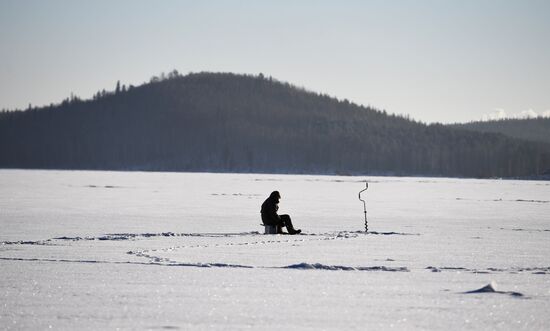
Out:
{"x": 269, "y": 210}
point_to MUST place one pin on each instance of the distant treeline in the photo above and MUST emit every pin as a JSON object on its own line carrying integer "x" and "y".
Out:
{"x": 534, "y": 129}
{"x": 225, "y": 122}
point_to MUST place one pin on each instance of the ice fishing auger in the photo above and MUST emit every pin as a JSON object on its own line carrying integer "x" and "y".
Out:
{"x": 365, "y": 205}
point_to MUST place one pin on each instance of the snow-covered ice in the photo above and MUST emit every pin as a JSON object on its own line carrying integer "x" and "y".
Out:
{"x": 135, "y": 250}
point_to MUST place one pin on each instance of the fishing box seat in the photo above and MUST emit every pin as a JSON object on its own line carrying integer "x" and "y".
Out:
{"x": 270, "y": 229}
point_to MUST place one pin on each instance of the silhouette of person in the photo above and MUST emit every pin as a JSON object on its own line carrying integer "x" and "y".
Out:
{"x": 270, "y": 216}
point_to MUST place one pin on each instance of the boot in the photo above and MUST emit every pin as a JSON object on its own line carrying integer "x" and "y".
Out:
{"x": 290, "y": 228}
{"x": 293, "y": 231}
{"x": 280, "y": 229}
{"x": 288, "y": 224}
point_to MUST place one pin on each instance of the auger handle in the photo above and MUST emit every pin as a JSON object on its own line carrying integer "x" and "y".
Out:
{"x": 365, "y": 206}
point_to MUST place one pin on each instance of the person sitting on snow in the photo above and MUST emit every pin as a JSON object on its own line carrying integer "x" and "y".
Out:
{"x": 270, "y": 216}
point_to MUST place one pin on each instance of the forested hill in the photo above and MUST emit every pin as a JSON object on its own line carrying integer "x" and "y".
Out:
{"x": 534, "y": 129}
{"x": 236, "y": 123}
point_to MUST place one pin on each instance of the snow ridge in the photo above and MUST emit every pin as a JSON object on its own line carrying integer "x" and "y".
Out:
{"x": 491, "y": 288}
{"x": 319, "y": 266}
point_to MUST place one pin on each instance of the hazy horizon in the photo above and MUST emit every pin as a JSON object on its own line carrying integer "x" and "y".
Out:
{"x": 434, "y": 61}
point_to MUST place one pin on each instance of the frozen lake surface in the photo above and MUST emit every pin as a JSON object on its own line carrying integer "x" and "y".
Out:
{"x": 134, "y": 250}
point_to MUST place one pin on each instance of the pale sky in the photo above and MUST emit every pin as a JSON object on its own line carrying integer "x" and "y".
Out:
{"x": 437, "y": 61}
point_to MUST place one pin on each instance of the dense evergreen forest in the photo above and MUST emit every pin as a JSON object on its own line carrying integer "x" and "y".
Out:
{"x": 225, "y": 122}
{"x": 534, "y": 129}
